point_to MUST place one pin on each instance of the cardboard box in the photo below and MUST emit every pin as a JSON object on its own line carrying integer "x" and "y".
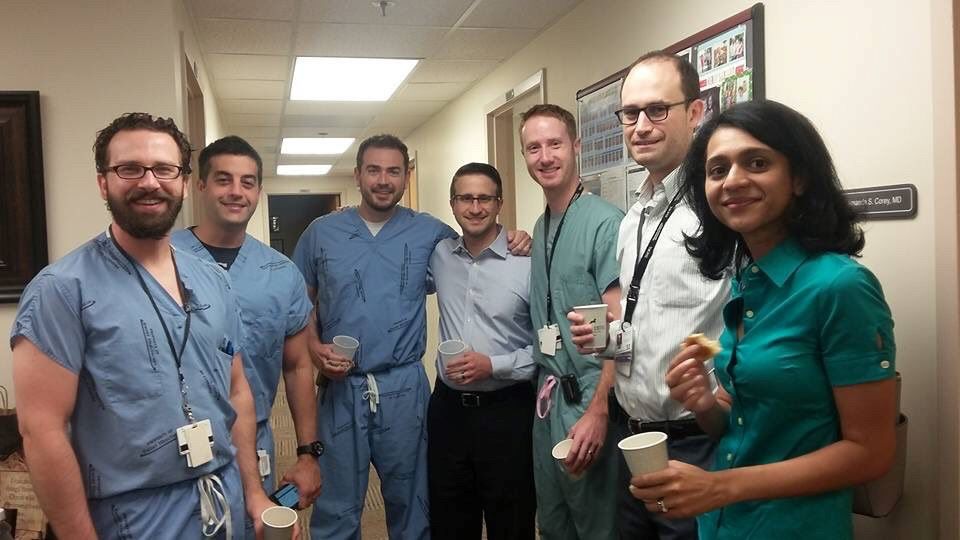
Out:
{"x": 16, "y": 491}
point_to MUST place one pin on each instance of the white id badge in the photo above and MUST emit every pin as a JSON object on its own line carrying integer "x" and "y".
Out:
{"x": 549, "y": 339}
{"x": 623, "y": 355}
{"x": 263, "y": 460}
{"x": 196, "y": 442}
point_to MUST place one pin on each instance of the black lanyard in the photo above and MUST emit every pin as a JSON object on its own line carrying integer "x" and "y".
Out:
{"x": 178, "y": 358}
{"x": 640, "y": 266}
{"x": 546, "y": 244}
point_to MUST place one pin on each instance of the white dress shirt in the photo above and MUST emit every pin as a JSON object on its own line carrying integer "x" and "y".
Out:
{"x": 675, "y": 300}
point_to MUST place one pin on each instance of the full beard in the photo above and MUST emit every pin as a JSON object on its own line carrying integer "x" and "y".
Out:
{"x": 138, "y": 225}
{"x": 372, "y": 202}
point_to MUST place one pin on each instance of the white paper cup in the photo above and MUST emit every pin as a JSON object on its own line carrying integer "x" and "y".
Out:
{"x": 596, "y": 316}
{"x": 278, "y": 523}
{"x": 346, "y": 346}
{"x": 559, "y": 452}
{"x": 645, "y": 452}
{"x": 451, "y": 349}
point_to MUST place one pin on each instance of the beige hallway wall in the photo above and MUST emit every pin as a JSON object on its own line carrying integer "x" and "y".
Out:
{"x": 865, "y": 73}
{"x": 91, "y": 61}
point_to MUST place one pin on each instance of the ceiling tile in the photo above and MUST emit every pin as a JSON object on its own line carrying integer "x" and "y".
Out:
{"x": 321, "y": 131}
{"x": 431, "y": 71}
{"x": 243, "y": 120}
{"x": 346, "y": 108}
{"x": 483, "y": 43}
{"x": 249, "y": 66}
{"x": 363, "y": 40}
{"x": 388, "y": 121}
{"x": 334, "y": 121}
{"x": 534, "y": 14}
{"x": 246, "y": 89}
{"x": 278, "y": 10}
{"x": 251, "y": 132}
{"x": 414, "y": 107}
{"x": 431, "y": 91}
{"x": 259, "y": 142}
{"x": 403, "y": 12}
{"x": 252, "y": 106}
{"x": 244, "y": 36}
{"x": 286, "y": 159}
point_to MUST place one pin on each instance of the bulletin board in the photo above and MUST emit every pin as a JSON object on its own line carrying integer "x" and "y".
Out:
{"x": 729, "y": 58}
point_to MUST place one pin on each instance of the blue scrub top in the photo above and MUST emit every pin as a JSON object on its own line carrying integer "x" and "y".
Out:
{"x": 372, "y": 288}
{"x": 273, "y": 305}
{"x": 811, "y": 322}
{"x": 88, "y": 313}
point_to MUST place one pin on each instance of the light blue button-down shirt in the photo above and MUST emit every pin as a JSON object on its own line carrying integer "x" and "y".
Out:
{"x": 485, "y": 302}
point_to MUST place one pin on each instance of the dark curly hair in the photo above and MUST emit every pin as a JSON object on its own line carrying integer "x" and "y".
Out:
{"x": 820, "y": 219}
{"x": 138, "y": 120}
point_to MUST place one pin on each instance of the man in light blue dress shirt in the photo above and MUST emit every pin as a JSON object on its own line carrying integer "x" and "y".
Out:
{"x": 479, "y": 423}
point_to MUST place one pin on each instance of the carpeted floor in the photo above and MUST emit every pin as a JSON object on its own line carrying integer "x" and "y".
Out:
{"x": 374, "y": 524}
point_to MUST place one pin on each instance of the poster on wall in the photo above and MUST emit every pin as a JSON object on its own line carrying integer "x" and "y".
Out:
{"x": 601, "y": 137}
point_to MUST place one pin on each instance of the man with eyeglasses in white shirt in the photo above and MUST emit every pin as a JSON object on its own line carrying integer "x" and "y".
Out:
{"x": 480, "y": 418}
{"x": 663, "y": 293}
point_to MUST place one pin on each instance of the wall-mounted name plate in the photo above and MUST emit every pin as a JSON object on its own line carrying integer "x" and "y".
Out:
{"x": 884, "y": 202}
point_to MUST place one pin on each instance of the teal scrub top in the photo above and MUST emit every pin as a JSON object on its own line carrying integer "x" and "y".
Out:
{"x": 584, "y": 266}
{"x": 811, "y": 322}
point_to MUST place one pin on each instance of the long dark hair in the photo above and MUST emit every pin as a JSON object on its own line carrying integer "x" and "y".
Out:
{"x": 820, "y": 219}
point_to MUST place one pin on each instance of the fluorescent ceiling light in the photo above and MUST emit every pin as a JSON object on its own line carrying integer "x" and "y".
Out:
{"x": 315, "y": 145}
{"x": 348, "y": 79}
{"x": 303, "y": 170}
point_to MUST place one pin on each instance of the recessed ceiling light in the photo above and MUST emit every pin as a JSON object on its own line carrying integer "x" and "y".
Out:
{"x": 348, "y": 79}
{"x": 328, "y": 146}
{"x": 303, "y": 170}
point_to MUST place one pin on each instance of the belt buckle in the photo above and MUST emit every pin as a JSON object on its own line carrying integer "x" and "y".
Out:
{"x": 469, "y": 400}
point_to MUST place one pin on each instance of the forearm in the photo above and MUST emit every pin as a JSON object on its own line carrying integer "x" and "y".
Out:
{"x": 839, "y": 465}
{"x": 715, "y": 421}
{"x": 244, "y": 434}
{"x": 298, "y": 381}
{"x": 56, "y": 479}
{"x": 514, "y": 366}
{"x": 600, "y": 401}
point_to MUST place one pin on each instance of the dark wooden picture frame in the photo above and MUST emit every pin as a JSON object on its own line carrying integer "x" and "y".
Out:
{"x": 23, "y": 223}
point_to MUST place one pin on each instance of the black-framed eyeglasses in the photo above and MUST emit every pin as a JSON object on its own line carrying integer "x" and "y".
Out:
{"x": 656, "y": 112}
{"x": 133, "y": 171}
{"x": 483, "y": 200}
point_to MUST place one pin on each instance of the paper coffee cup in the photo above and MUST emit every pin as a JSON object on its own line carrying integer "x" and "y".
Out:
{"x": 451, "y": 349}
{"x": 345, "y": 346}
{"x": 559, "y": 452}
{"x": 645, "y": 452}
{"x": 278, "y": 523}
{"x": 596, "y": 316}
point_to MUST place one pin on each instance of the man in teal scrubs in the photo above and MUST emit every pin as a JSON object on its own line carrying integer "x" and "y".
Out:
{"x": 574, "y": 263}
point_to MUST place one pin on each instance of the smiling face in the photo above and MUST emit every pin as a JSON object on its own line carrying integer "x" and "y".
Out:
{"x": 749, "y": 186}
{"x": 659, "y": 146}
{"x": 550, "y": 153}
{"x": 382, "y": 178}
{"x": 145, "y": 208}
{"x": 477, "y": 219}
{"x": 230, "y": 192}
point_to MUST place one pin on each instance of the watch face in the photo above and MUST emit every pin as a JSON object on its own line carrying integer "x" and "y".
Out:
{"x": 316, "y": 448}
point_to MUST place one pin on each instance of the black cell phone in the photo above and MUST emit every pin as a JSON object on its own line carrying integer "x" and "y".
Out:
{"x": 287, "y": 495}
{"x": 571, "y": 389}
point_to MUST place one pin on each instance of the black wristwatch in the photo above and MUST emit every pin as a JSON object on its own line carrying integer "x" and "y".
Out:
{"x": 315, "y": 449}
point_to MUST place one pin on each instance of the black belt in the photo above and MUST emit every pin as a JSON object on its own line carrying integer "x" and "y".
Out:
{"x": 675, "y": 429}
{"x": 472, "y": 400}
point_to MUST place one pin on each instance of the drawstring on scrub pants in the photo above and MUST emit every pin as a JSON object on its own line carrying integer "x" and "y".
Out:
{"x": 372, "y": 393}
{"x": 213, "y": 502}
{"x": 545, "y": 396}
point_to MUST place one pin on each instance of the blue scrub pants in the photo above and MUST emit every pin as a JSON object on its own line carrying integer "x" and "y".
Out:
{"x": 168, "y": 512}
{"x": 394, "y": 439}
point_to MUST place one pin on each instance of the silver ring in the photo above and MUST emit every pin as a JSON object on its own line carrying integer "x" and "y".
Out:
{"x": 663, "y": 507}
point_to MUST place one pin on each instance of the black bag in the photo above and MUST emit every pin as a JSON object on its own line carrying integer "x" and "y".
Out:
{"x": 10, "y": 439}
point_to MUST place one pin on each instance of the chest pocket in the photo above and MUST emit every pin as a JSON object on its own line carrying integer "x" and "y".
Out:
{"x": 677, "y": 282}
{"x": 579, "y": 289}
{"x": 413, "y": 272}
{"x": 135, "y": 371}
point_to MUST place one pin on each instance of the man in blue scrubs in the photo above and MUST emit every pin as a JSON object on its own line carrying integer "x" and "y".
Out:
{"x": 137, "y": 418}
{"x": 274, "y": 306}
{"x": 366, "y": 269}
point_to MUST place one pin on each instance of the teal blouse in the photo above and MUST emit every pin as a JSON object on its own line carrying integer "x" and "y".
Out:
{"x": 811, "y": 322}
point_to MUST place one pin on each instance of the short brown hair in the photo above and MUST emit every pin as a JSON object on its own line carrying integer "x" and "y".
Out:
{"x": 384, "y": 140}
{"x": 552, "y": 111}
{"x": 689, "y": 78}
{"x": 138, "y": 120}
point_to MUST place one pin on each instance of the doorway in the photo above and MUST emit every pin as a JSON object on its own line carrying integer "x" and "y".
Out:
{"x": 291, "y": 214}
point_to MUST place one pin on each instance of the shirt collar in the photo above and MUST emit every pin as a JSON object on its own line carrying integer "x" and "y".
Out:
{"x": 498, "y": 247}
{"x": 671, "y": 185}
{"x": 782, "y": 261}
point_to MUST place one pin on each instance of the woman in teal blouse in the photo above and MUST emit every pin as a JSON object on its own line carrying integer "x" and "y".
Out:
{"x": 805, "y": 407}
